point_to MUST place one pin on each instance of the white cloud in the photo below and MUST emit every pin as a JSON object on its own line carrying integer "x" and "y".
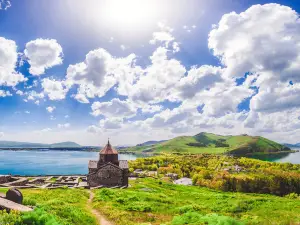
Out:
{"x": 165, "y": 37}
{"x": 158, "y": 80}
{"x": 161, "y": 36}
{"x": 54, "y": 89}
{"x": 67, "y": 116}
{"x": 19, "y": 92}
{"x": 98, "y": 73}
{"x": 27, "y": 112}
{"x": 151, "y": 108}
{"x": 8, "y": 62}
{"x": 43, "y": 54}
{"x": 50, "y": 109}
{"x": 114, "y": 108}
{"x": 45, "y": 130}
{"x": 124, "y": 47}
{"x": 220, "y": 102}
{"x": 5, "y": 93}
{"x": 65, "y": 125}
{"x": 198, "y": 79}
{"x": 33, "y": 95}
{"x": 111, "y": 123}
{"x": 4, "y": 4}
{"x": 1, "y": 134}
{"x": 81, "y": 97}
{"x": 93, "y": 129}
{"x": 263, "y": 39}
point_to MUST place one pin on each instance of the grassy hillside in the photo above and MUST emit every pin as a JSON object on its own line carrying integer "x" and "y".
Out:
{"x": 155, "y": 202}
{"x": 212, "y": 143}
{"x": 150, "y": 201}
{"x": 52, "y": 207}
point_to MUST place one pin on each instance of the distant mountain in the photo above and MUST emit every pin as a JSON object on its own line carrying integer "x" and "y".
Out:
{"x": 147, "y": 143}
{"x": 297, "y": 145}
{"x": 213, "y": 143}
{"x": 16, "y": 144}
{"x": 67, "y": 144}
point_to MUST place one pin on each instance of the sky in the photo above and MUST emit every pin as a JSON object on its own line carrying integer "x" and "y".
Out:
{"x": 139, "y": 70}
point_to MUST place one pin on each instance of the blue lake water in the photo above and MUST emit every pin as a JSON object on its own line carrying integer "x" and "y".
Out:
{"x": 76, "y": 162}
{"x": 49, "y": 162}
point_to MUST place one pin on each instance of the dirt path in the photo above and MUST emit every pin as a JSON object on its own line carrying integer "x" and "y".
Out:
{"x": 100, "y": 219}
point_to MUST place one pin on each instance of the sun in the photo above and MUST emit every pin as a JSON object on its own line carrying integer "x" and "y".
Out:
{"x": 129, "y": 13}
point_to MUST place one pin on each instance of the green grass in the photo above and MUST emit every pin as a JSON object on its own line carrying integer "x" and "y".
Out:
{"x": 53, "y": 207}
{"x": 151, "y": 201}
{"x": 52, "y": 180}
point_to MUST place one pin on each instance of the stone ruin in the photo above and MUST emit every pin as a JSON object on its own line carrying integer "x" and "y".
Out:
{"x": 43, "y": 181}
{"x": 47, "y": 182}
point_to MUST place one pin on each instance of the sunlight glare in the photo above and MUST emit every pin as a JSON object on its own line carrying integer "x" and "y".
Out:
{"x": 129, "y": 12}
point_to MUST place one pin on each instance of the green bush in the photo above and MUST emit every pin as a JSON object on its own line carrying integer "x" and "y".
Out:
{"x": 194, "y": 218}
{"x": 37, "y": 217}
{"x": 292, "y": 196}
{"x": 189, "y": 208}
{"x": 105, "y": 194}
{"x": 139, "y": 207}
{"x": 30, "y": 202}
{"x": 242, "y": 206}
{"x": 9, "y": 218}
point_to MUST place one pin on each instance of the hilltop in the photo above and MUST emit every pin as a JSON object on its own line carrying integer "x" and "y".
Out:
{"x": 147, "y": 143}
{"x": 213, "y": 143}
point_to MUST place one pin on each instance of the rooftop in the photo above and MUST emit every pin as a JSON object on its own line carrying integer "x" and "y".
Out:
{"x": 108, "y": 149}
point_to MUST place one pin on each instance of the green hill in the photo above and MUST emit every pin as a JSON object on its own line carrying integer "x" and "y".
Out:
{"x": 213, "y": 143}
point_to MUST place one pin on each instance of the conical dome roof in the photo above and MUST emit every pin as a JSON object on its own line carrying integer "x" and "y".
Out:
{"x": 108, "y": 150}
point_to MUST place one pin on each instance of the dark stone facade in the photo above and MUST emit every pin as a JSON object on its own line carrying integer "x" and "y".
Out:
{"x": 108, "y": 170}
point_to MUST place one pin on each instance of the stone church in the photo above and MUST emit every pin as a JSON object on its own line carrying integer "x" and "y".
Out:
{"x": 108, "y": 170}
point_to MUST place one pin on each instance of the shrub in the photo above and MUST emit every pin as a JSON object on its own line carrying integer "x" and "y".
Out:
{"x": 28, "y": 201}
{"x": 209, "y": 219}
{"x": 139, "y": 207}
{"x": 292, "y": 196}
{"x": 37, "y": 217}
{"x": 242, "y": 206}
{"x": 9, "y": 218}
{"x": 189, "y": 208}
{"x": 105, "y": 194}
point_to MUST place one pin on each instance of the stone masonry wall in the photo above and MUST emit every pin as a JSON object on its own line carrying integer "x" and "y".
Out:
{"x": 4, "y": 179}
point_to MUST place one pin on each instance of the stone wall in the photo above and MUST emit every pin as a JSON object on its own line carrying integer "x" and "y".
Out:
{"x": 4, "y": 179}
{"x": 20, "y": 182}
{"x": 108, "y": 175}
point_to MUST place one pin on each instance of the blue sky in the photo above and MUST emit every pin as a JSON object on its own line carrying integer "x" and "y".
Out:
{"x": 138, "y": 70}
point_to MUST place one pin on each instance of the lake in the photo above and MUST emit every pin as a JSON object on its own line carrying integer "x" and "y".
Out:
{"x": 293, "y": 157}
{"x": 49, "y": 162}
{"x": 76, "y": 162}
